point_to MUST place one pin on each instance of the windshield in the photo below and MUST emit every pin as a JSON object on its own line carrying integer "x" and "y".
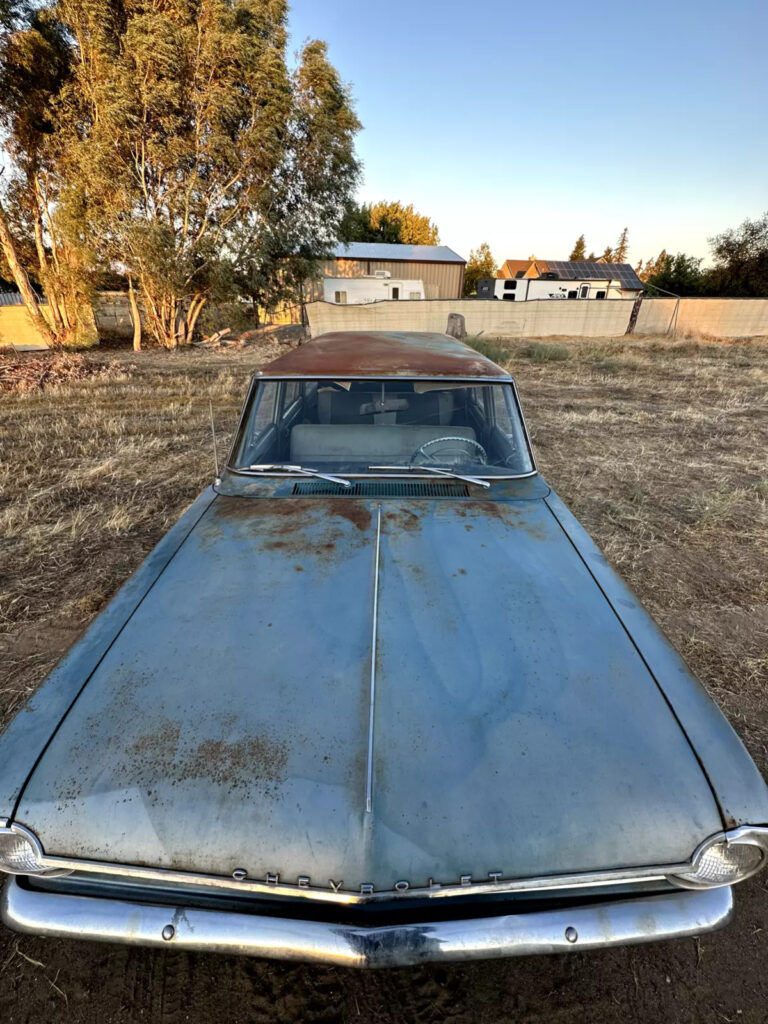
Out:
{"x": 374, "y": 427}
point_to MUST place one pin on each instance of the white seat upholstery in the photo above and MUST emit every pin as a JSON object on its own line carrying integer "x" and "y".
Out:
{"x": 370, "y": 443}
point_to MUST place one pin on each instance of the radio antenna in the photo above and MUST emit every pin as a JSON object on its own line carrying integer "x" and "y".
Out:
{"x": 215, "y": 448}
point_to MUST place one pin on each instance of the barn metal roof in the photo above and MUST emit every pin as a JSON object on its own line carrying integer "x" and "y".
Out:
{"x": 344, "y": 354}
{"x": 390, "y": 252}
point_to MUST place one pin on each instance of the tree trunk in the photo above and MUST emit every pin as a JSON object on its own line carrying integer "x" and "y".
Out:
{"x": 135, "y": 316}
{"x": 22, "y": 283}
{"x": 45, "y": 277}
{"x": 195, "y": 309}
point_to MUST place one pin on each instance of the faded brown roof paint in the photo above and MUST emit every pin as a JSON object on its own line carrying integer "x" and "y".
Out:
{"x": 344, "y": 354}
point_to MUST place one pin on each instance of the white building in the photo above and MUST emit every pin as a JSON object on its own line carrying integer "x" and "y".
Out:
{"x": 377, "y": 287}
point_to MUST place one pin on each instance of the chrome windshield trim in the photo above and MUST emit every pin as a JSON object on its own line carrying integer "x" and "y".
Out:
{"x": 493, "y": 883}
{"x": 258, "y": 378}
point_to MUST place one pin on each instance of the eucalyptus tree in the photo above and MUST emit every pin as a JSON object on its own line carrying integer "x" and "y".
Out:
{"x": 275, "y": 249}
{"x": 166, "y": 140}
{"x": 35, "y": 60}
{"x": 204, "y": 158}
{"x": 183, "y": 112}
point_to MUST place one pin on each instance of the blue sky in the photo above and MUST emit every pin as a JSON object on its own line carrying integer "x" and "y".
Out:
{"x": 525, "y": 124}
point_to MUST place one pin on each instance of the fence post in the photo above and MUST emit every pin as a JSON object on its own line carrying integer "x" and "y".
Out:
{"x": 457, "y": 326}
{"x": 634, "y": 315}
{"x": 672, "y": 329}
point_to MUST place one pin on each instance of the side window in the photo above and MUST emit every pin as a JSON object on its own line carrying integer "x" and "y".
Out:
{"x": 584, "y": 291}
{"x": 340, "y": 298}
{"x": 510, "y": 297}
{"x": 600, "y": 294}
{"x": 505, "y": 417}
{"x": 264, "y": 409}
{"x": 260, "y": 420}
{"x": 573, "y": 294}
{"x": 292, "y": 390}
{"x": 414, "y": 295}
{"x": 509, "y": 286}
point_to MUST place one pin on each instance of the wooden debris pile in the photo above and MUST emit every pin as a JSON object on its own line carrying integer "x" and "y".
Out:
{"x": 40, "y": 373}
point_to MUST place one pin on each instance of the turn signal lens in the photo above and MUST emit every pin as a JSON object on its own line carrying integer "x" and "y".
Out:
{"x": 18, "y": 854}
{"x": 722, "y": 863}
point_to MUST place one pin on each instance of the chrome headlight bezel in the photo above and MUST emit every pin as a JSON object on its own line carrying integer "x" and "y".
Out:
{"x": 27, "y": 841}
{"x": 753, "y": 838}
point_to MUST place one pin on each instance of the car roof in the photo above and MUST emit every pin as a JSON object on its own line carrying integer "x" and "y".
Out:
{"x": 345, "y": 354}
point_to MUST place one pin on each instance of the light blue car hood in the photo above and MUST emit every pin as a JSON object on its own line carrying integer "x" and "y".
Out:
{"x": 516, "y": 727}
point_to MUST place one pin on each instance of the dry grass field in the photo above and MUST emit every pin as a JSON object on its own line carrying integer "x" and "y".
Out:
{"x": 660, "y": 448}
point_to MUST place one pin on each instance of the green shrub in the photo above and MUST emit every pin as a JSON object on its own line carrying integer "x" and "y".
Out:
{"x": 543, "y": 352}
{"x": 489, "y": 348}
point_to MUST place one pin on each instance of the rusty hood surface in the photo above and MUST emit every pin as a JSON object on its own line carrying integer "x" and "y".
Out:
{"x": 516, "y": 728}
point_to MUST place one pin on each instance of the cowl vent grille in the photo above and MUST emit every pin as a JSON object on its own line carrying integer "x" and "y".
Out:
{"x": 383, "y": 489}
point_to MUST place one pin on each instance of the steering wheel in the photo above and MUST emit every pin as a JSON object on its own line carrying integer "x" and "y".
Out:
{"x": 450, "y": 445}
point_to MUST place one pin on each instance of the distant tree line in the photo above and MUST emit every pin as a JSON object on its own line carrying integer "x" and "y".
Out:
{"x": 611, "y": 254}
{"x": 169, "y": 143}
{"x": 739, "y": 268}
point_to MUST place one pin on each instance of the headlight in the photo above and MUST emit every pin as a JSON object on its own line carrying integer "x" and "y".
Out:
{"x": 21, "y": 853}
{"x": 725, "y": 859}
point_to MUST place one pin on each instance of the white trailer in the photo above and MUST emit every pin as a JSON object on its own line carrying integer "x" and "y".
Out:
{"x": 379, "y": 287}
{"x": 524, "y": 288}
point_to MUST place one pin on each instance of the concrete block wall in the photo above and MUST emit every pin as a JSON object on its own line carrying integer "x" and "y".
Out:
{"x": 541, "y": 318}
{"x": 718, "y": 318}
{"x": 113, "y": 313}
{"x": 724, "y": 318}
{"x": 655, "y": 316}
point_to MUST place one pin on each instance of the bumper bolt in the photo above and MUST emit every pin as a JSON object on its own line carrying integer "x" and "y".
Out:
{"x": 168, "y": 932}
{"x": 571, "y": 934}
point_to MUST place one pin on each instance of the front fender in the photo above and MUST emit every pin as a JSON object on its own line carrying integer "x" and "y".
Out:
{"x": 736, "y": 782}
{"x": 28, "y": 733}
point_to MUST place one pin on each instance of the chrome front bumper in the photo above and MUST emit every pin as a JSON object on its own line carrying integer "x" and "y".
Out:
{"x": 647, "y": 919}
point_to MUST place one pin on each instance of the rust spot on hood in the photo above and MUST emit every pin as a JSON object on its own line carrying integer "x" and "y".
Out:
{"x": 161, "y": 757}
{"x": 354, "y": 511}
{"x": 237, "y": 763}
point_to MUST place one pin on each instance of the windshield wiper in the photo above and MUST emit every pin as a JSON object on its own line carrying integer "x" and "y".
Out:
{"x": 299, "y": 471}
{"x": 439, "y": 472}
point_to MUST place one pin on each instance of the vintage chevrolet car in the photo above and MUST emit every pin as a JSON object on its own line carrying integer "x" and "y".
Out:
{"x": 376, "y": 699}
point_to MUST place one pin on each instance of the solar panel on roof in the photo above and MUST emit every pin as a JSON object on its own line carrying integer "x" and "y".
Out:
{"x": 587, "y": 270}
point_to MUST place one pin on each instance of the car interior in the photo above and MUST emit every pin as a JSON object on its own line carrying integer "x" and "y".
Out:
{"x": 359, "y": 423}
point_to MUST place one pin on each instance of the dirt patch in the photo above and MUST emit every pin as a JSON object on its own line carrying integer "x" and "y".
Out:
{"x": 660, "y": 452}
